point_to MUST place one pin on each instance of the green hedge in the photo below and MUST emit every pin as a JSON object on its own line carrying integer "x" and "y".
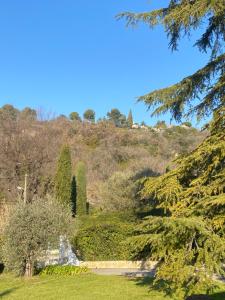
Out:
{"x": 63, "y": 270}
{"x": 103, "y": 239}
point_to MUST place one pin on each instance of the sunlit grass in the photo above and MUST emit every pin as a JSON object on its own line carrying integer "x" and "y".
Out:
{"x": 85, "y": 287}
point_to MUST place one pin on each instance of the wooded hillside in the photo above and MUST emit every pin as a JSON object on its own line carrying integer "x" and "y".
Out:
{"x": 32, "y": 146}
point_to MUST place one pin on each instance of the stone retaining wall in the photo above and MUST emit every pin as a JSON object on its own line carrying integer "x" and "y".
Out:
{"x": 141, "y": 265}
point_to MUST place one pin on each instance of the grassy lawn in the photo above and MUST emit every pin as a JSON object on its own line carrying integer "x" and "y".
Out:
{"x": 85, "y": 287}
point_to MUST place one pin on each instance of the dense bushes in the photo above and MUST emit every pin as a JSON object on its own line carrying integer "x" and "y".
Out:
{"x": 102, "y": 239}
{"x": 63, "y": 270}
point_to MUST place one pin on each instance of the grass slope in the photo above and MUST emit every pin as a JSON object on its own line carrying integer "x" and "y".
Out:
{"x": 85, "y": 287}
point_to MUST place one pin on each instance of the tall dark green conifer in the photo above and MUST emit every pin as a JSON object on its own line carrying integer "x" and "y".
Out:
{"x": 130, "y": 120}
{"x": 63, "y": 177}
{"x": 73, "y": 195}
{"x": 81, "y": 203}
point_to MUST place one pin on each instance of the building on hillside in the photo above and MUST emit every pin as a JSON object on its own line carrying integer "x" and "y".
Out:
{"x": 144, "y": 127}
{"x": 185, "y": 126}
{"x": 135, "y": 126}
{"x": 156, "y": 129}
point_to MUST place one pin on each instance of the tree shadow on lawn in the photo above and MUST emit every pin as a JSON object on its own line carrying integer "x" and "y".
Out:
{"x": 218, "y": 296}
{"x": 145, "y": 281}
{"x": 7, "y": 292}
{"x": 148, "y": 281}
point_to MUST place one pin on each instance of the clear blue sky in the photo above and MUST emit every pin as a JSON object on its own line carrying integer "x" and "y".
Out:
{"x": 70, "y": 55}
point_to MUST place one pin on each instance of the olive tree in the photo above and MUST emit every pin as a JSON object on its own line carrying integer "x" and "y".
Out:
{"x": 31, "y": 229}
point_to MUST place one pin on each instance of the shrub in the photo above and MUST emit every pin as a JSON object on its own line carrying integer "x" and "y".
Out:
{"x": 63, "y": 270}
{"x": 103, "y": 239}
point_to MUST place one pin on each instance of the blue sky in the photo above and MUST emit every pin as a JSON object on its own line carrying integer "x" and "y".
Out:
{"x": 70, "y": 55}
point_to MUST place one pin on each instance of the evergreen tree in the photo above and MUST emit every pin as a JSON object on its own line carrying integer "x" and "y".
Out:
{"x": 73, "y": 195}
{"x": 74, "y": 116}
{"x": 117, "y": 118}
{"x": 89, "y": 115}
{"x": 9, "y": 111}
{"x": 81, "y": 203}
{"x": 130, "y": 120}
{"x": 28, "y": 113}
{"x": 161, "y": 125}
{"x": 63, "y": 177}
{"x": 188, "y": 240}
{"x": 180, "y": 18}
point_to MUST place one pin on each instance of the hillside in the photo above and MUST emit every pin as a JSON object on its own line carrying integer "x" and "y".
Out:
{"x": 31, "y": 146}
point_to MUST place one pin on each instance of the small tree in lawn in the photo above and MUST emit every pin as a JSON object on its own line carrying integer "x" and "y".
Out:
{"x": 81, "y": 203}
{"x": 30, "y": 230}
{"x": 63, "y": 177}
{"x": 130, "y": 120}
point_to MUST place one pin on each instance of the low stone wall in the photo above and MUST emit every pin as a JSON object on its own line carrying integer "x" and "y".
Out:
{"x": 140, "y": 265}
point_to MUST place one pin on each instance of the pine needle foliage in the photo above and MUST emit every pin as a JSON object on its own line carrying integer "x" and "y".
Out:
{"x": 207, "y": 85}
{"x": 188, "y": 250}
{"x": 63, "y": 177}
{"x": 199, "y": 175}
{"x": 191, "y": 234}
{"x": 188, "y": 240}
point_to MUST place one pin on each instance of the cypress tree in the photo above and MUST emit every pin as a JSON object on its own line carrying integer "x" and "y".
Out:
{"x": 63, "y": 177}
{"x": 73, "y": 195}
{"x": 130, "y": 120}
{"x": 81, "y": 203}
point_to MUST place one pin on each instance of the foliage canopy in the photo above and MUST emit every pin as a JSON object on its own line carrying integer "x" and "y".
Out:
{"x": 30, "y": 230}
{"x": 190, "y": 235}
{"x": 207, "y": 85}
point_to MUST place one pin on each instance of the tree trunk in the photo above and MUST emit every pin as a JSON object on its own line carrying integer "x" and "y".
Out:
{"x": 29, "y": 269}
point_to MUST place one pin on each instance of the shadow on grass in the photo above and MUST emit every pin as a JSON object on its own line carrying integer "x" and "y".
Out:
{"x": 1, "y": 268}
{"x": 7, "y": 292}
{"x": 218, "y": 296}
{"x": 145, "y": 281}
{"x": 160, "y": 287}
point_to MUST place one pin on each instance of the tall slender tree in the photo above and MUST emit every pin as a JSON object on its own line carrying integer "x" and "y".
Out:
{"x": 130, "y": 120}
{"x": 81, "y": 203}
{"x": 63, "y": 177}
{"x": 73, "y": 196}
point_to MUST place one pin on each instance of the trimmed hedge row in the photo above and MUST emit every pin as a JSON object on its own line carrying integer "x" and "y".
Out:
{"x": 63, "y": 270}
{"x": 103, "y": 239}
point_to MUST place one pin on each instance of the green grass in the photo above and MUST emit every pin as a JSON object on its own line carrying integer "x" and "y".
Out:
{"x": 81, "y": 287}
